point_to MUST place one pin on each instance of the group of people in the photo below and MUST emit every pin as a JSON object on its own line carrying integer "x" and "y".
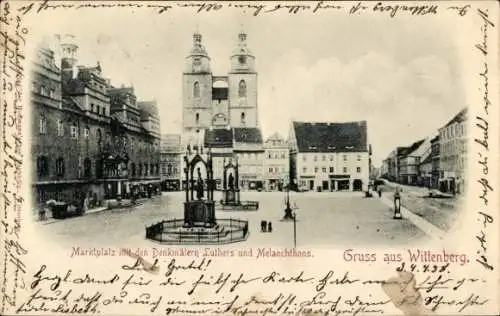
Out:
{"x": 266, "y": 227}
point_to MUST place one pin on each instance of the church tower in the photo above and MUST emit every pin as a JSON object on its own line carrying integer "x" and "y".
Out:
{"x": 196, "y": 91}
{"x": 242, "y": 80}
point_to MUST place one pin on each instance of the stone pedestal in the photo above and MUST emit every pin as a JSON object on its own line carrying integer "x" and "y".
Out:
{"x": 231, "y": 197}
{"x": 288, "y": 214}
{"x": 199, "y": 213}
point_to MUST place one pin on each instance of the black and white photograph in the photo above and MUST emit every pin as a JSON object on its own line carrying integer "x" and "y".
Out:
{"x": 247, "y": 132}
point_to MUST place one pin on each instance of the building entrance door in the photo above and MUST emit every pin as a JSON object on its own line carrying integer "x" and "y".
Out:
{"x": 311, "y": 185}
{"x": 343, "y": 185}
{"x": 357, "y": 185}
{"x": 325, "y": 185}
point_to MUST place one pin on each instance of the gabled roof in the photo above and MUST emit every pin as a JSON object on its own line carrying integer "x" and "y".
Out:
{"x": 427, "y": 160}
{"x": 410, "y": 149}
{"x": 460, "y": 117}
{"x": 69, "y": 103}
{"x": 148, "y": 108}
{"x": 219, "y": 138}
{"x": 331, "y": 137}
{"x": 250, "y": 135}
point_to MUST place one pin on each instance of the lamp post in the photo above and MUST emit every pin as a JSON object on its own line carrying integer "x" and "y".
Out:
{"x": 295, "y": 209}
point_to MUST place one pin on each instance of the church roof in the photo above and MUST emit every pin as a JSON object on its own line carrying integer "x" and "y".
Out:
{"x": 242, "y": 48}
{"x": 198, "y": 49}
{"x": 219, "y": 138}
{"x": 331, "y": 137}
{"x": 247, "y": 135}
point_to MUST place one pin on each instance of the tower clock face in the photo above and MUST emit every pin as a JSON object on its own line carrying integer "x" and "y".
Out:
{"x": 242, "y": 59}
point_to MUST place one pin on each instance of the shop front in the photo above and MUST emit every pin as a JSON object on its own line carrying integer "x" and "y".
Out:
{"x": 340, "y": 182}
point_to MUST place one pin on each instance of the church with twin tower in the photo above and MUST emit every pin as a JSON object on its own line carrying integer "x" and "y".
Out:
{"x": 221, "y": 112}
{"x": 219, "y": 101}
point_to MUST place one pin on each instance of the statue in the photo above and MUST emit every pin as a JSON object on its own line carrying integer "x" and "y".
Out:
{"x": 231, "y": 182}
{"x": 199, "y": 186}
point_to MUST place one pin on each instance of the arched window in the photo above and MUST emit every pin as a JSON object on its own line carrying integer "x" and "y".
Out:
{"x": 242, "y": 117}
{"x": 242, "y": 89}
{"x": 196, "y": 89}
{"x": 169, "y": 169}
{"x": 42, "y": 124}
{"x": 145, "y": 169}
{"x": 60, "y": 167}
{"x": 139, "y": 173}
{"x": 42, "y": 166}
{"x": 99, "y": 135}
{"x": 197, "y": 118}
{"x": 87, "y": 168}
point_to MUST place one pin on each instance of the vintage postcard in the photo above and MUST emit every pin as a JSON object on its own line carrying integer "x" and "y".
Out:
{"x": 249, "y": 158}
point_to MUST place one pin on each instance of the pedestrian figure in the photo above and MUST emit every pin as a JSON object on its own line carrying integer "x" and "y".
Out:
{"x": 270, "y": 227}
{"x": 379, "y": 192}
{"x": 42, "y": 213}
{"x": 263, "y": 226}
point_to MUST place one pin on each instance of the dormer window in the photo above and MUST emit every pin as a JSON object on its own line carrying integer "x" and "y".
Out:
{"x": 242, "y": 117}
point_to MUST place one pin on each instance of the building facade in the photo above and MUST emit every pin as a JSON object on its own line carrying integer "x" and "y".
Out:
{"x": 276, "y": 163}
{"x": 435, "y": 157}
{"x": 453, "y": 154}
{"x": 170, "y": 162}
{"x": 329, "y": 156}
{"x": 249, "y": 150}
{"x": 140, "y": 142}
{"x": 81, "y": 149}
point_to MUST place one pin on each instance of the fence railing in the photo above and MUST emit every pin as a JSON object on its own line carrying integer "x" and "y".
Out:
{"x": 225, "y": 231}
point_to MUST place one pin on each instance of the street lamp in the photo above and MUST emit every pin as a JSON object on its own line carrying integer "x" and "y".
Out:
{"x": 295, "y": 209}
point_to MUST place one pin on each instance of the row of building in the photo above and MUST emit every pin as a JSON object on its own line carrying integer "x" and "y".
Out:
{"x": 317, "y": 156}
{"x": 97, "y": 141}
{"x": 437, "y": 161}
{"x": 89, "y": 139}
{"x": 220, "y": 112}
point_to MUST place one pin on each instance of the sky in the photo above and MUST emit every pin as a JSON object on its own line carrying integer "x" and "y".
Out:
{"x": 400, "y": 75}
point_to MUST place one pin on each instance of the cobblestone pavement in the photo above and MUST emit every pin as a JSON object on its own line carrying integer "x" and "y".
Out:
{"x": 324, "y": 221}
